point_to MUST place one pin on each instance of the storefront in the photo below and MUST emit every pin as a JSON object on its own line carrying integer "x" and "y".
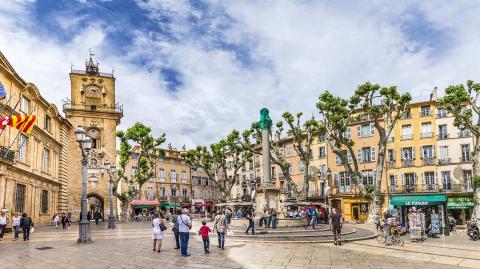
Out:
{"x": 432, "y": 206}
{"x": 353, "y": 208}
{"x": 460, "y": 207}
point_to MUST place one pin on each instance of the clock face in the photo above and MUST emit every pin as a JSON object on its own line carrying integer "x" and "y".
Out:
{"x": 93, "y": 133}
{"x": 93, "y": 91}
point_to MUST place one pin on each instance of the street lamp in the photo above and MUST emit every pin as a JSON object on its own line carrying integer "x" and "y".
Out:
{"x": 110, "y": 168}
{"x": 85, "y": 144}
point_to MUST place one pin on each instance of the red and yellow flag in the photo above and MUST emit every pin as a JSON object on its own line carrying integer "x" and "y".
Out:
{"x": 24, "y": 123}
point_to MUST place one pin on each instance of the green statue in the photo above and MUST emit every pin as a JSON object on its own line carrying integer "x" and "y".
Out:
{"x": 265, "y": 121}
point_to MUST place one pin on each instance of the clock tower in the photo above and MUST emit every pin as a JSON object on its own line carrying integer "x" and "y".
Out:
{"x": 93, "y": 106}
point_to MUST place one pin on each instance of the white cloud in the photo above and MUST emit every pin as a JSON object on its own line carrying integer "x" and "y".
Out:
{"x": 298, "y": 49}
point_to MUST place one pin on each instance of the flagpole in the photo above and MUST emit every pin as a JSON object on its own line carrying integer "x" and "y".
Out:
{"x": 11, "y": 113}
{"x": 19, "y": 132}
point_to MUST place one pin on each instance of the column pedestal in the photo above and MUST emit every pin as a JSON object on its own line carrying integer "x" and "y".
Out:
{"x": 267, "y": 197}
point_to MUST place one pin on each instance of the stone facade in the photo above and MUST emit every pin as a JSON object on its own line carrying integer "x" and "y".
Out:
{"x": 33, "y": 176}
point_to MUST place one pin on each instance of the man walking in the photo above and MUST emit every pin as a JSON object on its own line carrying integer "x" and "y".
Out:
{"x": 336, "y": 222}
{"x": 26, "y": 222}
{"x": 176, "y": 233}
{"x": 97, "y": 216}
{"x": 251, "y": 223}
{"x": 184, "y": 226}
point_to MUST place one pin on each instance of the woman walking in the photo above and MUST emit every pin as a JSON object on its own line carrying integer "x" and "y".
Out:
{"x": 16, "y": 225}
{"x": 221, "y": 226}
{"x": 64, "y": 221}
{"x": 3, "y": 224}
{"x": 69, "y": 221}
{"x": 26, "y": 222}
{"x": 55, "y": 220}
{"x": 175, "y": 230}
{"x": 158, "y": 231}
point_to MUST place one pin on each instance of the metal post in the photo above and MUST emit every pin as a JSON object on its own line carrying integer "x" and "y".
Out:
{"x": 111, "y": 218}
{"x": 84, "y": 224}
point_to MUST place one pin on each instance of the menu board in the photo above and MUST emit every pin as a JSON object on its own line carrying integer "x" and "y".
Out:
{"x": 435, "y": 223}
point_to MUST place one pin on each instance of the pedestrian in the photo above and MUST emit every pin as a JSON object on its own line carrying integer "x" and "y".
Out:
{"x": 3, "y": 224}
{"x": 273, "y": 218}
{"x": 97, "y": 216}
{"x": 262, "y": 219}
{"x": 64, "y": 221}
{"x": 26, "y": 222}
{"x": 184, "y": 226}
{"x": 221, "y": 226}
{"x": 309, "y": 215}
{"x": 89, "y": 216}
{"x": 204, "y": 230}
{"x": 158, "y": 231}
{"x": 251, "y": 222}
{"x": 55, "y": 221}
{"x": 69, "y": 221}
{"x": 16, "y": 225}
{"x": 178, "y": 212}
{"x": 336, "y": 222}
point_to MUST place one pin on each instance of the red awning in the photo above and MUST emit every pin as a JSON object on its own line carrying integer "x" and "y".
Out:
{"x": 144, "y": 202}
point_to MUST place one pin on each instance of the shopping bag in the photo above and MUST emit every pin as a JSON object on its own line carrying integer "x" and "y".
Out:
{"x": 229, "y": 232}
{"x": 32, "y": 230}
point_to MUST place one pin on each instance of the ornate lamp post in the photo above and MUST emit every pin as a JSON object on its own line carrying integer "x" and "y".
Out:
{"x": 85, "y": 144}
{"x": 110, "y": 168}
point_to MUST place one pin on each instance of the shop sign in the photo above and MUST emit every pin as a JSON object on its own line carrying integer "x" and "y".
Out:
{"x": 416, "y": 203}
{"x": 460, "y": 202}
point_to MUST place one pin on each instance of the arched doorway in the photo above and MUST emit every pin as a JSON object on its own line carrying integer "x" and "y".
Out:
{"x": 95, "y": 204}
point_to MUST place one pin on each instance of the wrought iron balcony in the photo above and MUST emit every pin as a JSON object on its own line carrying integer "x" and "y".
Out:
{"x": 425, "y": 113}
{"x": 391, "y": 164}
{"x": 408, "y": 163}
{"x": 466, "y": 159}
{"x": 407, "y": 137}
{"x": 464, "y": 133}
{"x": 117, "y": 108}
{"x": 428, "y": 161}
{"x": 426, "y": 134}
{"x": 444, "y": 161}
{"x": 7, "y": 154}
{"x": 442, "y": 136}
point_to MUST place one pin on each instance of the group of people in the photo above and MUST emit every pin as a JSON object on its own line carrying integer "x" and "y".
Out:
{"x": 65, "y": 219}
{"x": 182, "y": 224}
{"x": 268, "y": 219}
{"x": 19, "y": 222}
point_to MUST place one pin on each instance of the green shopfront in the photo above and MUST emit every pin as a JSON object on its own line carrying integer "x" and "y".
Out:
{"x": 429, "y": 204}
{"x": 460, "y": 207}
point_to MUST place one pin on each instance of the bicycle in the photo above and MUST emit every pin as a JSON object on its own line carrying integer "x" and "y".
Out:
{"x": 394, "y": 237}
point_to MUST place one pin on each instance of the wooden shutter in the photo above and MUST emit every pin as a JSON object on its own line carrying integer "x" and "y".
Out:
{"x": 336, "y": 180}
{"x": 372, "y": 129}
{"x": 359, "y": 155}
{"x": 373, "y": 153}
{"x": 421, "y": 153}
{"x": 359, "y": 131}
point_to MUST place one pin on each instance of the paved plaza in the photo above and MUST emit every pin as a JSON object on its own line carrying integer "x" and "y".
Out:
{"x": 130, "y": 246}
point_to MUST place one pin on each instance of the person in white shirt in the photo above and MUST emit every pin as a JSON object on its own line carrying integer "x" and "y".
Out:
{"x": 158, "y": 231}
{"x": 3, "y": 224}
{"x": 56, "y": 220}
{"x": 184, "y": 226}
{"x": 16, "y": 225}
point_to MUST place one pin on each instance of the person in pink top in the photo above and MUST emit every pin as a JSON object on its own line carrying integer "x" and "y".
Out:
{"x": 204, "y": 230}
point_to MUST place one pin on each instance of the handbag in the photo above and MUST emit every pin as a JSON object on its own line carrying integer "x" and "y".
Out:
{"x": 162, "y": 227}
{"x": 32, "y": 230}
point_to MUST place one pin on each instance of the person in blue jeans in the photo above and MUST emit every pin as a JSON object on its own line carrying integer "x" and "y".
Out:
{"x": 184, "y": 226}
{"x": 221, "y": 226}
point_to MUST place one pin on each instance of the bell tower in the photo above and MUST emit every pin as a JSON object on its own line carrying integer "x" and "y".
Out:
{"x": 92, "y": 105}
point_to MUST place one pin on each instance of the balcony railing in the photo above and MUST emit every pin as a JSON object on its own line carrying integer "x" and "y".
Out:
{"x": 428, "y": 161}
{"x": 83, "y": 72}
{"x": 345, "y": 189}
{"x": 407, "y": 137}
{"x": 407, "y": 163}
{"x": 464, "y": 134}
{"x": 425, "y": 114}
{"x": 442, "y": 115}
{"x": 465, "y": 159}
{"x": 117, "y": 108}
{"x": 391, "y": 164}
{"x": 442, "y": 136}
{"x": 444, "y": 161}
{"x": 7, "y": 154}
{"x": 320, "y": 156}
{"x": 163, "y": 198}
{"x": 426, "y": 134}
{"x": 430, "y": 188}
{"x": 391, "y": 139}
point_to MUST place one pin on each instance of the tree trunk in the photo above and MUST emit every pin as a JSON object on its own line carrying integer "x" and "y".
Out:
{"x": 476, "y": 174}
{"x": 124, "y": 207}
{"x": 376, "y": 201}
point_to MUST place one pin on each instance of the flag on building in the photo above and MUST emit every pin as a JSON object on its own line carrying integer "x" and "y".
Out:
{"x": 3, "y": 92}
{"x": 24, "y": 123}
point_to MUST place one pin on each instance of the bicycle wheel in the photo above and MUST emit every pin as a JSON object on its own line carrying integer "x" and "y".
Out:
{"x": 381, "y": 238}
{"x": 398, "y": 241}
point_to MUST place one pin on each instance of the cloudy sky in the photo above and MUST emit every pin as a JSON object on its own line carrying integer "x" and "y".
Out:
{"x": 198, "y": 69}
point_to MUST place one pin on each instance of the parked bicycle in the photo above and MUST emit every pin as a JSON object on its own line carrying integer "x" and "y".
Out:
{"x": 393, "y": 237}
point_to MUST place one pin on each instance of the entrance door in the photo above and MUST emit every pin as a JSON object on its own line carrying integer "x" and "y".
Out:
{"x": 356, "y": 212}
{"x": 95, "y": 204}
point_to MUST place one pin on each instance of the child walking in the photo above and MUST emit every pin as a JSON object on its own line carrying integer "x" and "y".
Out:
{"x": 204, "y": 230}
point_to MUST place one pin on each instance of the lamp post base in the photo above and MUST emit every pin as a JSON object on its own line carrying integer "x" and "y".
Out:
{"x": 111, "y": 222}
{"x": 84, "y": 232}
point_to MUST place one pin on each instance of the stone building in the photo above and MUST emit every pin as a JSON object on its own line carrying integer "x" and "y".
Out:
{"x": 41, "y": 174}
{"x": 93, "y": 106}
{"x": 33, "y": 173}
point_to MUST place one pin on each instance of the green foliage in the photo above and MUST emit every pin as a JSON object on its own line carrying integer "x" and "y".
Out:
{"x": 139, "y": 142}
{"x": 476, "y": 180}
{"x": 462, "y": 103}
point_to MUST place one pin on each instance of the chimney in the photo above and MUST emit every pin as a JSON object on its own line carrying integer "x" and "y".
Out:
{"x": 433, "y": 95}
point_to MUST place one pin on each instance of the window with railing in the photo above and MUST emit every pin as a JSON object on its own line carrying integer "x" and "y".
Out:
{"x": 442, "y": 113}
{"x": 410, "y": 180}
{"x": 393, "y": 183}
{"x": 446, "y": 181}
{"x": 429, "y": 181}
{"x": 426, "y": 130}
{"x": 173, "y": 176}
{"x": 442, "y": 131}
{"x": 464, "y": 132}
{"x": 407, "y": 114}
{"x": 365, "y": 130}
{"x": 20, "y": 198}
{"x": 466, "y": 155}
{"x": 322, "y": 153}
{"x": 161, "y": 175}
{"x": 22, "y": 149}
{"x": 184, "y": 177}
{"x": 425, "y": 111}
{"x": 408, "y": 155}
{"x": 427, "y": 154}
{"x": 367, "y": 177}
{"x": 150, "y": 193}
{"x": 467, "y": 180}
{"x": 407, "y": 132}
{"x": 444, "y": 159}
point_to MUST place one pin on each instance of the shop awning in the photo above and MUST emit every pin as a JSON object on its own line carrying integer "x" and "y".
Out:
{"x": 144, "y": 203}
{"x": 170, "y": 205}
{"x": 460, "y": 202}
{"x": 435, "y": 199}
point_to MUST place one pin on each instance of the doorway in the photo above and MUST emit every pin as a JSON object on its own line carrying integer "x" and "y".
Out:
{"x": 95, "y": 204}
{"x": 356, "y": 212}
